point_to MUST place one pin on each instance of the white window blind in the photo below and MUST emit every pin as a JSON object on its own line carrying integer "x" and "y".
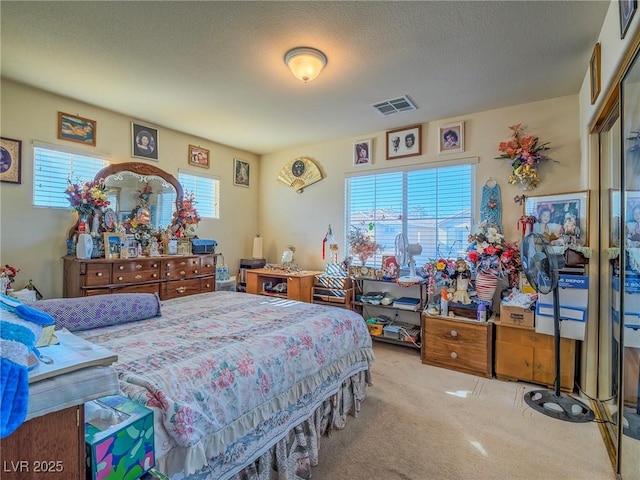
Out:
{"x": 206, "y": 191}
{"x": 432, "y": 207}
{"x": 52, "y": 169}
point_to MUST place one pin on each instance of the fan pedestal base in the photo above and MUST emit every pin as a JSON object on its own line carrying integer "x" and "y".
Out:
{"x": 559, "y": 406}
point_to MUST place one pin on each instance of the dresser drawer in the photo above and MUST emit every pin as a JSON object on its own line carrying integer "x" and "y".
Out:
{"x": 207, "y": 284}
{"x": 146, "y": 288}
{"x": 186, "y": 267}
{"x": 459, "y": 345}
{"x": 207, "y": 265}
{"x": 136, "y": 271}
{"x": 97, "y": 274}
{"x": 524, "y": 337}
{"x": 180, "y": 288}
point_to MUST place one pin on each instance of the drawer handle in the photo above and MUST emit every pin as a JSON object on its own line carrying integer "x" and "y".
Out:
{"x": 208, "y": 285}
{"x": 183, "y": 272}
{"x": 120, "y": 279}
{"x": 155, "y": 265}
{"x": 454, "y": 355}
{"x": 195, "y": 271}
{"x": 138, "y": 277}
{"x": 207, "y": 265}
{"x": 183, "y": 263}
{"x": 155, "y": 275}
{"x": 454, "y": 333}
{"x": 138, "y": 266}
{"x": 99, "y": 274}
{"x": 121, "y": 267}
{"x": 181, "y": 289}
{"x": 168, "y": 274}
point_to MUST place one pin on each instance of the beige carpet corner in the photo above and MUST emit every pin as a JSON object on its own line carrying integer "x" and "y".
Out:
{"x": 420, "y": 422}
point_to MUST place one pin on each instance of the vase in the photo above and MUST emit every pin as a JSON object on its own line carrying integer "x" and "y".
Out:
{"x": 486, "y": 286}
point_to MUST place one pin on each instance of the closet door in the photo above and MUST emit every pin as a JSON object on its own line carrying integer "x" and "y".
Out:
{"x": 629, "y": 360}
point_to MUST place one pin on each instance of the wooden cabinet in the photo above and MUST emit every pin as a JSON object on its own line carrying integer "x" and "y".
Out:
{"x": 168, "y": 276}
{"x": 523, "y": 354}
{"x": 51, "y": 447}
{"x": 457, "y": 344}
{"x": 299, "y": 284}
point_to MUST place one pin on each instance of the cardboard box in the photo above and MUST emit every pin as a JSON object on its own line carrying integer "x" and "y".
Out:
{"x": 121, "y": 446}
{"x": 512, "y": 315}
{"x": 573, "y": 292}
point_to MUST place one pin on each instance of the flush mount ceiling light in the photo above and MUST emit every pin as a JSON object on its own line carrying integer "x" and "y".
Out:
{"x": 305, "y": 63}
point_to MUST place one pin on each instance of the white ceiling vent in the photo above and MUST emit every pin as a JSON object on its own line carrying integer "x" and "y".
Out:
{"x": 395, "y": 105}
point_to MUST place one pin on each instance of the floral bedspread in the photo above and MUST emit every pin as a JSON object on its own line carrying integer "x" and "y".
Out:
{"x": 216, "y": 367}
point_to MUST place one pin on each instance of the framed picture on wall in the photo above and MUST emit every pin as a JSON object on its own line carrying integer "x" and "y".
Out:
{"x": 562, "y": 218}
{"x": 10, "y": 160}
{"x": 241, "y": 173}
{"x": 76, "y": 129}
{"x": 451, "y": 138}
{"x": 404, "y": 142}
{"x": 627, "y": 10}
{"x": 362, "y": 154}
{"x": 144, "y": 141}
{"x": 198, "y": 156}
{"x": 594, "y": 73}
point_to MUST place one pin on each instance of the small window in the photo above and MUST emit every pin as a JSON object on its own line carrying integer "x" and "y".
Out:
{"x": 206, "y": 191}
{"x": 52, "y": 170}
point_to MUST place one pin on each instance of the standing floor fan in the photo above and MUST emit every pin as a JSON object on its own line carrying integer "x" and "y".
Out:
{"x": 541, "y": 268}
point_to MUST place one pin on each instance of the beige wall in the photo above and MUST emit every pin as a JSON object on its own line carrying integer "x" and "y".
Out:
{"x": 301, "y": 219}
{"x": 33, "y": 239}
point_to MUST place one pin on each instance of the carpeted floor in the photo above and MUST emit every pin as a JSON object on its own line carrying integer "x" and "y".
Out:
{"x": 420, "y": 423}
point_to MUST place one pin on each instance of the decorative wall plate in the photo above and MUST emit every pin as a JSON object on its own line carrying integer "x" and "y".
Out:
{"x": 300, "y": 173}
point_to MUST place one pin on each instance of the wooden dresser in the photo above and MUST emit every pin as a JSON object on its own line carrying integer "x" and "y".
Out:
{"x": 458, "y": 344}
{"x": 168, "y": 276}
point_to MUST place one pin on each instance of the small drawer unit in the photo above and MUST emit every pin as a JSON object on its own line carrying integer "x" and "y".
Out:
{"x": 142, "y": 270}
{"x": 335, "y": 291}
{"x": 180, "y": 268}
{"x": 456, "y": 344}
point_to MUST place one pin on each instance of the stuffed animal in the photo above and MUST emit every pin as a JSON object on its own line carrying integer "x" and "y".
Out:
{"x": 20, "y": 328}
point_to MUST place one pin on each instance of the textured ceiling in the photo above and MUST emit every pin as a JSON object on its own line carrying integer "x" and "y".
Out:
{"x": 216, "y": 69}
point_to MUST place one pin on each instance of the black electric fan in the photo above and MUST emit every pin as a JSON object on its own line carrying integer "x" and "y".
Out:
{"x": 541, "y": 267}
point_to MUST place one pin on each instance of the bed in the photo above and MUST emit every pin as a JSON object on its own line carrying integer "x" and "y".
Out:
{"x": 242, "y": 386}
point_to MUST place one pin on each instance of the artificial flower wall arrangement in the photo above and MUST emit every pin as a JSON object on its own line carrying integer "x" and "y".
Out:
{"x": 7, "y": 277}
{"x": 525, "y": 154}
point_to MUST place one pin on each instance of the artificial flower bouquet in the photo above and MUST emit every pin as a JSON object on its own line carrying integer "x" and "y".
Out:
{"x": 86, "y": 197}
{"x": 362, "y": 244}
{"x": 7, "y": 277}
{"x": 489, "y": 253}
{"x": 439, "y": 273}
{"x": 525, "y": 154}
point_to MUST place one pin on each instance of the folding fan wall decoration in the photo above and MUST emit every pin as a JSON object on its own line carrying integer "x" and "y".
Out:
{"x": 300, "y": 173}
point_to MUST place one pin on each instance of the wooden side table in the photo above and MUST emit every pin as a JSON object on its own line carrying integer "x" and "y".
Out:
{"x": 299, "y": 284}
{"x": 458, "y": 344}
{"x": 523, "y": 354}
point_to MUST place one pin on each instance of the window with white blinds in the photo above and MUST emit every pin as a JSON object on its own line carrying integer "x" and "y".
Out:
{"x": 206, "y": 191}
{"x": 52, "y": 169}
{"x": 432, "y": 207}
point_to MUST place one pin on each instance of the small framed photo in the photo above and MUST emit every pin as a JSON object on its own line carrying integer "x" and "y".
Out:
{"x": 404, "y": 142}
{"x": 241, "y": 173}
{"x": 10, "y": 160}
{"x": 451, "y": 138}
{"x": 390, "y": 267}
{"x": 76, "y": 129}
{"x": 124, "y": 216}
{"x": 110, "y": 220}
{"x": 131, "y": 244}
{"x": 198, "y": 156}
{"x": 144, "y": 141}
{"x": 627, "y": 10}
{"x": 562, "y": 218}
{"x": 594, "y": 73}
{"x": 112, "y": 243}
{"x": 362, "y": 154}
